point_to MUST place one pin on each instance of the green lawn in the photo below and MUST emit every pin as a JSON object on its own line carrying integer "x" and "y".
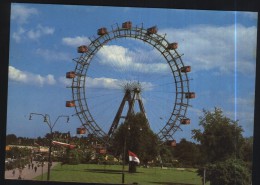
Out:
{"x": 112, "y": 174}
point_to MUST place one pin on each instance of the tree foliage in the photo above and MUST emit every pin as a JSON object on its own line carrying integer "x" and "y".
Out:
{"x": 187, "y": 153}
{"x": 11, "y": 139}
{"x": 223, "y": 149}
{"x": 135, "y": 135}
{"x": 220, "y": 138}
{"x": 228, "y": 172}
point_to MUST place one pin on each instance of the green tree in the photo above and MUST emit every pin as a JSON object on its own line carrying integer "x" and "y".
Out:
{"x": 221, "y": 137}
{"x": 11, "y": 139}
{"x": 247, "y": 149}
{"x": 166, "y": 155}
{"x": 187, "y": 153}
{"x": 228, "y": 172}
{"x": 135, "y": 135}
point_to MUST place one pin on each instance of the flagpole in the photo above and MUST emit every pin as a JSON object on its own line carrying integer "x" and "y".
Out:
{"x": 123, "y": 166}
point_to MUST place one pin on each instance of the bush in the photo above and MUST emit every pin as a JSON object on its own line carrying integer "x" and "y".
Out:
{"x": 229, "y": 172}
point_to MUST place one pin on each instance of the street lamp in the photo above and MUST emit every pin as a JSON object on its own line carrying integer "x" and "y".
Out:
{"x": 46, "y": 119}
{"x": 123, "y": 167}
{"x": 124, "y": 153}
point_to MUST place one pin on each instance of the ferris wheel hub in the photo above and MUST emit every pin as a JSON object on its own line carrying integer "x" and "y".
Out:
{"x": 133, "y": 87}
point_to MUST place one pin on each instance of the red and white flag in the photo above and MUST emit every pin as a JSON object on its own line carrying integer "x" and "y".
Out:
{"x": 133, "y": 157}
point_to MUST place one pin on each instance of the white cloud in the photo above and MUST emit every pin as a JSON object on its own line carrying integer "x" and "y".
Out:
{"x": 65, "y": 81}
{"x": 39, "y": 31}
{"x": 205, "y": 47}
{"x": 106, "y": 83}
{"x": 251, "y": 15}
{"x": 243, "y": 102}
{"x": 111, "y": 83}
{"x": 209, "y": 47}
{"x": 30, "y": 78}
{"x": 33, "y": 34}
{"x": 51, "y": 55}
{"x": 103, "y": 82}
{"x": 139, "y": 60}
{"x": 76, "y": 41}
{"x": 21, "y": 13}
{"x": 17, "y": 36}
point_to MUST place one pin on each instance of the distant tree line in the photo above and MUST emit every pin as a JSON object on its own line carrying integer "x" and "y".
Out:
{"x": 218, "y": 147}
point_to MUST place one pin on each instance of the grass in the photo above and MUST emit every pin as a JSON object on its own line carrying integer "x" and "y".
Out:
{"x": 92, "y": 173}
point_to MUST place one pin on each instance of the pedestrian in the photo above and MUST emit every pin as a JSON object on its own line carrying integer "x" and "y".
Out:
{"x": 29, "y": 166}
{"x": 32, "y": 165}
{"x": 20, "y": 171}
{"x": 35, "y": 169}
{"x": 13, "y": 172}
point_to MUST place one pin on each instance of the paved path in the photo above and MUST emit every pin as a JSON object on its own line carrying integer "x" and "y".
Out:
{"x": 27, "y": 173}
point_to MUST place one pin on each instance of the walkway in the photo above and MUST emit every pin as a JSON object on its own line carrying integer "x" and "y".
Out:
{"x": 27, "y": 173}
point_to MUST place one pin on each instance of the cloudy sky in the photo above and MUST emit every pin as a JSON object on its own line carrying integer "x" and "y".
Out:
{"x": 220, "y": 47}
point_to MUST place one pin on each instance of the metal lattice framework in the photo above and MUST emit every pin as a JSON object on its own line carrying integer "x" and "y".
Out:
{"x": 151, "y": 37}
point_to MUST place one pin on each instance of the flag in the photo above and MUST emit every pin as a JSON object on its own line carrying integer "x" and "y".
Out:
{"x": 133, "y": 157}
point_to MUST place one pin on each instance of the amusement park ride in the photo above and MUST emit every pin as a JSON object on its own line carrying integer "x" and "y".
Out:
{"x": 132, "y": 90}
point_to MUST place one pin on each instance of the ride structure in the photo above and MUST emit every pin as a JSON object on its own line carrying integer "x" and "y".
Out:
{"x": 132, "y": 90}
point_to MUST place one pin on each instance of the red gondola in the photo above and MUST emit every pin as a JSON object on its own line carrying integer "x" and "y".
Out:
{"x": 190, "y": 95}
{"x": 81, "y": 130}
{"x": 173, "y": 46}
{"x": 70, "y": 103}
{"x": 127, "y": 25}
{"x": 185, "y": 121}
{"x": 102, "y": 31}
{"x": 82, "y": 49}
{"x": 152, "y": 30}
{"x": 70, "y": 74}
{"x": 185, "y": 69}
{"x": 171, "y": 143}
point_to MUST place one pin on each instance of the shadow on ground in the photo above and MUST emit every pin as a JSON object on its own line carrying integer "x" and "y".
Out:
{"x": 170, "y": 183}
{"x": 106, "y": 171}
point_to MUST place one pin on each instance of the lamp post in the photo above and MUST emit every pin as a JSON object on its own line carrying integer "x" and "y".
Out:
{"x": 123, "y": 166}
{"x": 124, "y": 153}
{"x": 47, "y": 120}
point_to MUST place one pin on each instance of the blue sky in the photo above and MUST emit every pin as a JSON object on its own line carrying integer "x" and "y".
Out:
{"x": 220, "y": 46}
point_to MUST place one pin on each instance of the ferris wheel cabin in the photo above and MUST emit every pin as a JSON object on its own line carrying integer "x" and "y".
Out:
{"x": 185, "y": 121}
{"x": 152, "y": 30}
{"x": 81, "y": 131}
{"x": 102, "y": 31}
{"x": 70, "y": 103}
{"x": 70, "y": 74}
{"x": 190, "y": 95}
{"x": 82, "y": 49}
{"x": 127, "y": 25}
{"x": 185, "y": 69}
{"x": 172, "y": 45}
{"x": 171, "y": 143}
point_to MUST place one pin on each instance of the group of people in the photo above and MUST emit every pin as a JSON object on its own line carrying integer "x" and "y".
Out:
{"x": 33, "y": 167}
{"x": 30, "y": 166}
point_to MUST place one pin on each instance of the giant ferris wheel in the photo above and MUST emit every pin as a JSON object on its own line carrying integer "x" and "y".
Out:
{"x": 128, "y": 69}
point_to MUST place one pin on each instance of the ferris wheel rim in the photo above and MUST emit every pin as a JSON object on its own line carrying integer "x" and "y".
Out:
{"x": 156, "y": 40}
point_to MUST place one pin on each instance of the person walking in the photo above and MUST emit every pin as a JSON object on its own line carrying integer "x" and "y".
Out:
{"x": 35, "y": 169}
{"x": 13, "y": 172}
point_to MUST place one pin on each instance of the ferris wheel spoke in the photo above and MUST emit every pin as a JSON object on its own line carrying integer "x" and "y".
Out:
{"x": 127, "y": 64}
